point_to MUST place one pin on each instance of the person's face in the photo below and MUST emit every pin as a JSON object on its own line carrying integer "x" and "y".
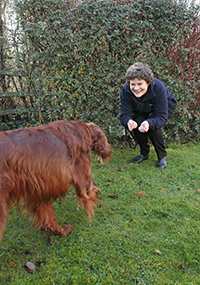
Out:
{"x": 138, "y": 87}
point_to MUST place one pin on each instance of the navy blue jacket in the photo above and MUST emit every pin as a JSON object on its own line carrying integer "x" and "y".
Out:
{"x": 152, "y": 106}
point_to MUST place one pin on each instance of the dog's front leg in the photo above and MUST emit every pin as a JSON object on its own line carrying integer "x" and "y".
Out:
{"x": 44, "y": 216}
{"x": 88, "y": 196}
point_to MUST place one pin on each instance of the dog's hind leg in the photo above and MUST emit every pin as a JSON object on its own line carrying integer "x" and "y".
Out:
{"x": 44, "y": 216}
{"x": 3, "y": 216}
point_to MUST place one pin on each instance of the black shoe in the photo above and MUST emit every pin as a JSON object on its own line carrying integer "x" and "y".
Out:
{"x": 139, "y": 158}
{"x": 162, "y": 163}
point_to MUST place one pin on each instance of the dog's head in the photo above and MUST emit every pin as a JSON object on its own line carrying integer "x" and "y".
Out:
{"x": 100, "y": 145}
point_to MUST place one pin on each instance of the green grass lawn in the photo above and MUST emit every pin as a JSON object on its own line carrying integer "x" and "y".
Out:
{"x": 119, "y": 245}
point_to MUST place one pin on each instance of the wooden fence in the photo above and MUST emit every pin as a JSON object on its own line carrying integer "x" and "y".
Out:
{"x": 14, "y": 103}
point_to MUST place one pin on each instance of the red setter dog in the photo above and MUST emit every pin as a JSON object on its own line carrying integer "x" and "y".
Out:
{"x": 38, "y": 165}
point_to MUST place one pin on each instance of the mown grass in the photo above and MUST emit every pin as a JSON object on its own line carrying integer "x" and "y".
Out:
{"x": 118, "y": 245}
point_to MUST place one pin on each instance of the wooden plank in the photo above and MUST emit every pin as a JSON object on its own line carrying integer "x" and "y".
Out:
{"x": 16, "y": 111}
{"x": 10, "y": 72}
{"x": 14, "y": 94}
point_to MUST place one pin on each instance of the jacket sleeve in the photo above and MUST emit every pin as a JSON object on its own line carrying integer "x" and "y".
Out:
{"x": 127, "y": 106}
{"x": 160, "y": 114}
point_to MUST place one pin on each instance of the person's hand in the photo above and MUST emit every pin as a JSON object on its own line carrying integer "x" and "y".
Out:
{"x": 144, "y": 127}
{"x": 132, "y": 125}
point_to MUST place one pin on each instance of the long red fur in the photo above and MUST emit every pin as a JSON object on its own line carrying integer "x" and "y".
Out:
{"x": 38, "y": 165}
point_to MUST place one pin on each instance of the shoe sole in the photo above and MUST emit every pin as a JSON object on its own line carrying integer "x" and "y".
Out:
{"x": 139, "y": 160}
{"x": 161, "y": 167}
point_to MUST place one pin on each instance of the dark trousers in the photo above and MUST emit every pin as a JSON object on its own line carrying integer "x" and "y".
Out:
{"x": 155, "y": 136}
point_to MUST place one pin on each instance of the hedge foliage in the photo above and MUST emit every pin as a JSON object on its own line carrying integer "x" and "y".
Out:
{"x": 74, "y": 56}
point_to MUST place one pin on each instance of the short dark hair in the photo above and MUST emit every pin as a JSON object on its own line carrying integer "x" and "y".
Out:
{"x": 141, "y": 71}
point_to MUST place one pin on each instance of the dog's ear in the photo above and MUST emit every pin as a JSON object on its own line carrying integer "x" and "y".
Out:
{"x": 96, "y": 132}
{"x": 100, "y": 144}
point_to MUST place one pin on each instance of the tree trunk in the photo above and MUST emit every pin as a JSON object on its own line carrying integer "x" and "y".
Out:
{"x": 2, "y": 66}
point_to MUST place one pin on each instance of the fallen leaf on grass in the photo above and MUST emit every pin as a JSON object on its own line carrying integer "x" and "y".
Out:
{"x": 139, "y": 193}
{"x": 90, "y": 266}
{"x": 30, "y": 266}
{"x": 162, "y": 205}
{"x": 144, "y": 240}
{"x": 11, "y": 263}
{"x": 112, "y": 213}
{"x": 112, "y": 196}
{"x": 157, "y": 251}
{"x": 26, "y": 252}
{"x": 181, "y": 266}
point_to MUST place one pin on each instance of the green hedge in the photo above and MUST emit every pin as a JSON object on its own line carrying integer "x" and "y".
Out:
{"x": 81, "y": 51}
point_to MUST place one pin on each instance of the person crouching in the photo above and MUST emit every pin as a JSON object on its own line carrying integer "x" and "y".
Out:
{"x": 144, "y": 110}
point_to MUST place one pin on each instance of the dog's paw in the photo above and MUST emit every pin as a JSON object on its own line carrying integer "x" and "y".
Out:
{"x": 67, "y": 230}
